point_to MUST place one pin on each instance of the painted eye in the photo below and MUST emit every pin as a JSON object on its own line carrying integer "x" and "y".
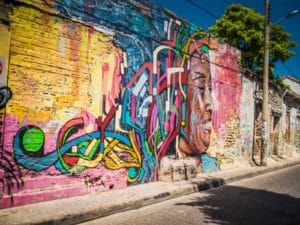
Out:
{"x": 202, "y": 88}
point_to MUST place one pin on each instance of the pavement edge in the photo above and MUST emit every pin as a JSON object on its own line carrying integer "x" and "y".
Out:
{"x": 16, "y": 215}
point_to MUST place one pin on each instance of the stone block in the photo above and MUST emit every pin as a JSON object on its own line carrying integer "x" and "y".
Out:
{"x": 177, "y": 169}
{"x": 191, "y": 169}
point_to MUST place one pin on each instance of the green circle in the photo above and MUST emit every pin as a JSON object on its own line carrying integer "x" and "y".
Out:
{"x": 33, "y": 139}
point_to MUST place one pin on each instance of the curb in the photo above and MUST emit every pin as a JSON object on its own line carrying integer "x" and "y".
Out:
{"x": 261, "y": 171}
{"x": 92, "y": 206}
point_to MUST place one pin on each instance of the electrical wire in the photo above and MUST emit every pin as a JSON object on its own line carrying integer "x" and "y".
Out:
{"x": 231, "y": 2}
{"x": 128, "y": 29}
{"x": 288, "y": 69}
{"x": 203, "y": 9}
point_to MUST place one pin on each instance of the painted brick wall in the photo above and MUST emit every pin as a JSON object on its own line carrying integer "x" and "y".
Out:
{"x": 102, "y": 91}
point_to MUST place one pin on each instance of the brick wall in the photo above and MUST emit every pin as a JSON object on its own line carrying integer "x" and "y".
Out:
{"x": 103, "y": 92}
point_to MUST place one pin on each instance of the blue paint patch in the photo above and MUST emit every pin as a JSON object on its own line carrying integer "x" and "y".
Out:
{"x": 208, "y": 163}
{"x": 73, "y": 27}
{"x": 132, "y": 172}
{"x": 56, "y": 20}
{"x": 183, "y": 110}
{"x": 68, "y": 3}
{"x": 142, "y": 177}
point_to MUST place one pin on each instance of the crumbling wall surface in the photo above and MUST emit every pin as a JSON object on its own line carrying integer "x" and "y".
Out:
{"x": 294, "y": 130}
{"x": 247, "y": 116}
{"x": 277, "y": 122}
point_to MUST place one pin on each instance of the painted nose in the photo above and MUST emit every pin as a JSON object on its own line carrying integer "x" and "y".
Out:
{"x": 207, "y": 99}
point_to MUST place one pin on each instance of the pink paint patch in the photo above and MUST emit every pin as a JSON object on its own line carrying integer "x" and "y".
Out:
{"x": 10, "y": 129}
{"x": 1, "y": 68}
{"x": 2, "y": 65}
{"x": 1, "y": 174}
{"x": 227, "y": 86}
{"x": 172, "y": 122}
{"x": 44, "y": 187}
{"x": 111, "y": 87}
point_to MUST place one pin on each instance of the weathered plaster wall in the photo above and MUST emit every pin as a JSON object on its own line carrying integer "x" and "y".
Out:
{"x": 247, "y": 116}
{"x": 293, "y": 106}
{"x": 294, "y": 84}
{"x": 103, "y": 91}
{"x": 283, "y": 131}
{"x": 294, "y": 130}
{"x": 297, "y": 132}
{"x": 276, "y": 121}
{"x": 276, "y": 109}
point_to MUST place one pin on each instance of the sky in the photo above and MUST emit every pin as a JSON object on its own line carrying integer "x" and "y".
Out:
{"x": 216, "y": 8}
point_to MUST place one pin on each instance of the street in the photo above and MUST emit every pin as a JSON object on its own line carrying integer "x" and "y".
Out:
{"x": 272, "y": 198}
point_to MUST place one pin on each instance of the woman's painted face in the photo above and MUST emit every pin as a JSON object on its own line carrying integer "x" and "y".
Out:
{"x": 199, "y": 103}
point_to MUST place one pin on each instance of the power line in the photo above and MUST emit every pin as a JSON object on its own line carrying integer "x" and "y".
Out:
{"x": 288, "y": 69}
{"x": 231, "y": 1}
{"x": 203, "y": 9}
{"x": 142, "y": 35}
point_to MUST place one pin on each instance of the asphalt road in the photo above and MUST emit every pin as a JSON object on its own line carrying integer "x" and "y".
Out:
{"x": 272, "y": 198}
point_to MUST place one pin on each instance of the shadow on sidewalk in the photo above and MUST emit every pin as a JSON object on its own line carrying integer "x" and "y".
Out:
{"x": 237, "y": 205}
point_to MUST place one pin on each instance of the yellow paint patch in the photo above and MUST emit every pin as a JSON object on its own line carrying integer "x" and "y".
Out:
{"x": 4, "y": 54}
{"x": 58, "y": 67}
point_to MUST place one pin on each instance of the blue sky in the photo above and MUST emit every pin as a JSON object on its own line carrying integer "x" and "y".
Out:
{"x": 279, "y": 9}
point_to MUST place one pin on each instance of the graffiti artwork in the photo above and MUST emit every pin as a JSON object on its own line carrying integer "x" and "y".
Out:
{"x": 73, "y": 155}
{"x": 118, "y": 95}
{"x": 151, "y": 119}
{"x": 5, "y": 95}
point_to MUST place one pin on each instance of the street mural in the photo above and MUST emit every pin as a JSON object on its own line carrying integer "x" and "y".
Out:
{"x": 120, "y": 90}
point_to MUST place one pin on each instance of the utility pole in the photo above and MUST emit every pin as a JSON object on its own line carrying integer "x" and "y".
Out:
{"x": 265, "y": 111}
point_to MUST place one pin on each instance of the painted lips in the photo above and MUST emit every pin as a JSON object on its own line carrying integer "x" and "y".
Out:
{"x": 206, "y": 126}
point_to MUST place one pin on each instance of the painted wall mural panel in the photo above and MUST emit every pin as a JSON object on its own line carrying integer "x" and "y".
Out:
{"x": 102, "y": 92}
{"x": 225, "y": 144}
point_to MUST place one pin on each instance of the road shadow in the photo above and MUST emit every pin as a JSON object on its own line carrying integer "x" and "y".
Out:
{"x": 242, "y": 206}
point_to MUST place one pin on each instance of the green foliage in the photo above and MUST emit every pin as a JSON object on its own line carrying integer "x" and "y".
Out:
{"x": 279, "y": 81}
{"x": 243, "y": 28}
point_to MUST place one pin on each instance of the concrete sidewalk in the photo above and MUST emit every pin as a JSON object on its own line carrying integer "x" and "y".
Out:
{"x": 82, "y": 208}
